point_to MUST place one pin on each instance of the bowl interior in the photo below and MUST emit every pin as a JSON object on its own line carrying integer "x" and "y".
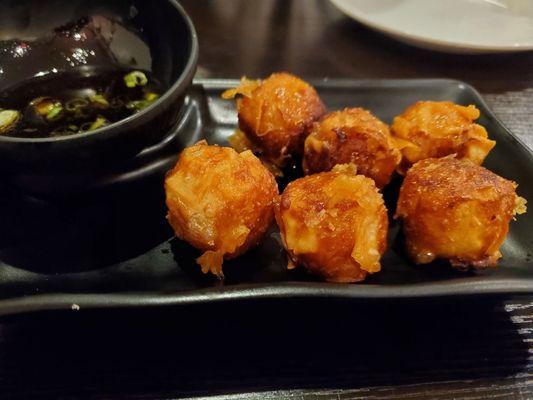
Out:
{"x": 43, "y": 38}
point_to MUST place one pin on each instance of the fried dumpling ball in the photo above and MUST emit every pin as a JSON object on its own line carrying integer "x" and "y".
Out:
{"x": 334, "y": 224}
{"x": 275, "y": 114}
{"x": 456, "y": 210}
{"x": 352, "y": 135}
{"x": 432, "y": 129}
{"x": 219, "y": 201}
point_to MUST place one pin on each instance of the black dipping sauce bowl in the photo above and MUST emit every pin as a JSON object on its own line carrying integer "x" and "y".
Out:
{"x": 41, "y": 40}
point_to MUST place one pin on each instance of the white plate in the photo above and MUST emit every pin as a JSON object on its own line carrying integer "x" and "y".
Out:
{"x": 458, "y": 26}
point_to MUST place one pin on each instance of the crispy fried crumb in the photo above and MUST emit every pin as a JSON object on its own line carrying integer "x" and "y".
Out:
{"x": 352, "y": 135}
{"x": 275, "y": 114}
{"x": 219, "y": 201}
{"x": 334, "y": 224}
{"x": 432, "y": 129}
{"x": 456, "y": 210}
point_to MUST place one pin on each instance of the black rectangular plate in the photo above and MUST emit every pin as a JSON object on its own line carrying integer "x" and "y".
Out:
{"x": 115, "y": 249}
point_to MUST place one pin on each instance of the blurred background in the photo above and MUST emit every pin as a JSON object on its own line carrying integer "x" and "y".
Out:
{"x": 314, "y": 39}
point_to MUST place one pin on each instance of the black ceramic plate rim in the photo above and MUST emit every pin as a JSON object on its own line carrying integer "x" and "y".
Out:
{"x": 283, "y": 290}
{"x": 164, "y": 101}
{"x": 469, "y": 286}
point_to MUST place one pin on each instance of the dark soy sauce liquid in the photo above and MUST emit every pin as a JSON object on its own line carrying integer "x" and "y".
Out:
{"x": 78, "y": 85}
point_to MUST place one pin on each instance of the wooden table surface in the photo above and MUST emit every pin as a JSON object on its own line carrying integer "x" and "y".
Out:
{"x": 469, "y": 348}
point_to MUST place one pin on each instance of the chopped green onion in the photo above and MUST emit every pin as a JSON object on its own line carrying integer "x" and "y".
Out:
{"x": 138, "y": 105}
{"x": 135, "y": 78}
{"x": 91, "y": 126}
{"x": 8, "y": 120}
{"x": 99, "y": 101}
{"x": 98, "y": 123}
{"x": 55, "y": 112}
{"x": 151, "y": 96}
{"x": 47, "y": 107}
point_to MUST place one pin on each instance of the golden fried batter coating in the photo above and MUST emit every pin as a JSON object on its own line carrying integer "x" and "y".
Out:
{"x": 454, "y": 209}
{"x": 276, "y": 113}
{"x": 430, "y": 129}
{"x": 219, "y": 201}
{"x": 334, "y": 224}
{"x": 352, "y": 135}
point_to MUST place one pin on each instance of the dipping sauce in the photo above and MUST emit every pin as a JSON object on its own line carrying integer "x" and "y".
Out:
{"x": 73, "y": 102}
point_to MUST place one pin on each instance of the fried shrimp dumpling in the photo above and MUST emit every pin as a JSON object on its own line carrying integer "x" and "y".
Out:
{"x": 219, "y": 201}
{"x": 334, "y": 224}
{"x": 430, "y": 129}
{"x": 352, "y": 135}
{"x": 275, "y": 114}
{"x": 456, "y": 210}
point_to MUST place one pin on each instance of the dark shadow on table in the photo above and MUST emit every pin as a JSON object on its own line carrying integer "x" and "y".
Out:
{"x": 256, "y": 346}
